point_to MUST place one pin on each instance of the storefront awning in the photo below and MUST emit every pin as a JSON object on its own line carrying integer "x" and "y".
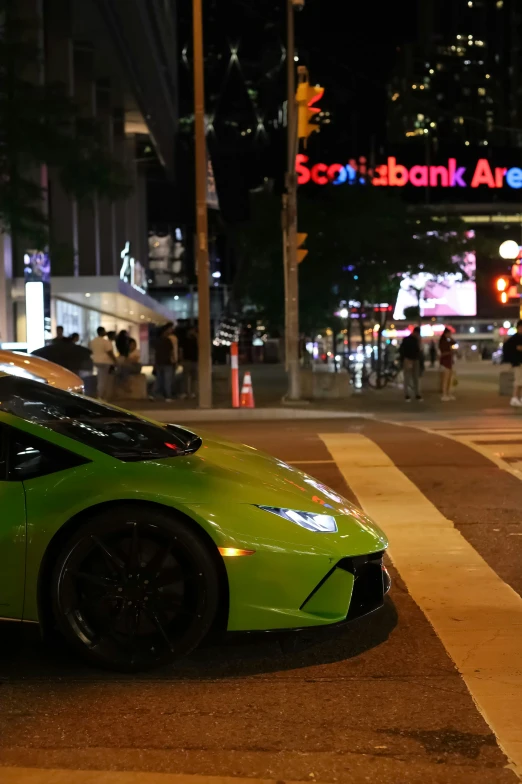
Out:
{"x": 112, "y": 296}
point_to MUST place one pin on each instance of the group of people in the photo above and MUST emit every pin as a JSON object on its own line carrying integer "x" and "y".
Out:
{"x": 412, "y": 358}
{"x": 114, "y": 356}
{"x": 176, "y": 356}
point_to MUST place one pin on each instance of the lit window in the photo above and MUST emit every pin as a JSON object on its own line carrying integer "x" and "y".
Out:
{"x": 488, "y": 76}
{"x": 500, "y": 3}
{"x": 432, "y": 71}
{"x": 470, "y": 3}
{"x": 421, "y": 87}
{"x": 484, "y": 142}
{"x": 466, "y": 143}
{"x": 481, "y": 91}
{"x": 433, "y": 124}
{"x": 414, "y": 87}
{"x": 420, "y": 117}
{"x": 395, "y": 96}
{"x": 479, "y": 43}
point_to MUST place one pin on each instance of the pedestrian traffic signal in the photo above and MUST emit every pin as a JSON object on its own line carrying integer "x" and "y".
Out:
{"x": 301, "y": 253}
{"x": 307, "y": 97}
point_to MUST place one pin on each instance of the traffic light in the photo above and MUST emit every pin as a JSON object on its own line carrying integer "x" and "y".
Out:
{"x": 502, "y": 285}
{"x": 307, "y": 96}
{"x": 301, "y": 252}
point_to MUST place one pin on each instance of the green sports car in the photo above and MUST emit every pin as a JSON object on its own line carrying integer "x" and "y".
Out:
{"x": 132, "y": 539}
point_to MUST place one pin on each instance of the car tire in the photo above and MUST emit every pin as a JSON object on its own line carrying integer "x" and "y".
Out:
{"x": 135, "y": 588}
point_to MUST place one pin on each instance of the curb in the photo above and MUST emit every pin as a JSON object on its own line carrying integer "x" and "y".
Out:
{"x": 245, "y": 414}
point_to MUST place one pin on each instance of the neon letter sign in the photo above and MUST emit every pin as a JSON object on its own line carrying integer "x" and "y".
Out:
{"x": 396, "y": 175}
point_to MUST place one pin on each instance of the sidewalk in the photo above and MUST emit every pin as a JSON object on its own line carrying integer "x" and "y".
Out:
{"x": 477, "y": 392}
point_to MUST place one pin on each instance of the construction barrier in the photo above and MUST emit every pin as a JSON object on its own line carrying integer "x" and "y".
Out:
{"x": 247, "y": 393}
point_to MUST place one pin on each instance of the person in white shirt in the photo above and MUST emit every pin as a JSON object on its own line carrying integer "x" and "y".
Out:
{"x": 104, "y": 360}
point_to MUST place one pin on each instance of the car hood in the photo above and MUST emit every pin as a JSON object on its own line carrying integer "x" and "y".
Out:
{"x": 240, "y": 473}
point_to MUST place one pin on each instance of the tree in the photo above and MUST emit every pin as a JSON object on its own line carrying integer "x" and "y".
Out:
{"x": 40, "y": 124}
{"x": 362, "y": 241}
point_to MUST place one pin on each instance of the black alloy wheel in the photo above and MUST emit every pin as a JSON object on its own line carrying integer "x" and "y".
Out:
{"x": 134, "y": 589}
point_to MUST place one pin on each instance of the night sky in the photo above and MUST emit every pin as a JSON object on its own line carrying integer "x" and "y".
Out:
{"x": 350, "y": 49}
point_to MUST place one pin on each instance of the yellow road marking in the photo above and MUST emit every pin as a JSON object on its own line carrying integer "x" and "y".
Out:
{"x": 476, "y": 615}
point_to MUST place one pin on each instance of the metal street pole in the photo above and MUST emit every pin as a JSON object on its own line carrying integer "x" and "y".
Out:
{"x": 290, "y": 219}
{"x": 202, "y": 265}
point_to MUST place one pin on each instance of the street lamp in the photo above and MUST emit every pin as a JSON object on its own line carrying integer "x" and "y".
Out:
{"x": 509, "y": 249}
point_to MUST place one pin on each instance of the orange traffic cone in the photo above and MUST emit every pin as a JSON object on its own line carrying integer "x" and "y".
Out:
{"x": 247, "y": 393}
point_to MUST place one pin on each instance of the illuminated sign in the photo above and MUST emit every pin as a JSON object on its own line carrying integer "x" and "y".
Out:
{"x": 452, "y": 294}
{"x": 37, "y": 310}
{"x": 132, "y": 271}
{"x": 395, "y": 175}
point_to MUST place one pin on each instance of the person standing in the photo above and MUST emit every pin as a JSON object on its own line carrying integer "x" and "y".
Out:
{"x": 163, "y": 364}
{"x": 122, "y": 343}
{"x": 104, "y": 362}
{"x": 446, "y": 344}
{"x": 512, "y": 353}
{"x": 59, "y": 335}
{"x": 410, "y": 353}
{"x": 190, "y": 349}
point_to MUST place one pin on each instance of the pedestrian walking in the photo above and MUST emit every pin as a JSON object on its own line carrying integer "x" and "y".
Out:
{"x": 512, "y": 353}
{"x": 104, "y": 361}
{"x": 164, "y": 365}
{"x": 447, "y": 359}
{"x": 411, "y": 356}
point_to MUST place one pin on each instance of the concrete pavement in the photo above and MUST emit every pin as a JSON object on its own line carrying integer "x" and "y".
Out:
{"x": 380, "y": 700}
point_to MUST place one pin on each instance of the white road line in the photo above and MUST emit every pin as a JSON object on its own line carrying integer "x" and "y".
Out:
{"x": 491, "y": 450}
{"x": 476, "y": 615}
{"x": 55, "y": 776}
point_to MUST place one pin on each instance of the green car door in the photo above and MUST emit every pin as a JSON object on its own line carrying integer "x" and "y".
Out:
{"x": 12, "y": 536}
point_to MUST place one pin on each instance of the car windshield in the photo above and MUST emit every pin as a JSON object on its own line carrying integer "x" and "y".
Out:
{"x": 117, "y": 433}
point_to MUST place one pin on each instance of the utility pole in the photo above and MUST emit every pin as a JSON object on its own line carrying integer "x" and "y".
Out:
{"x": 290, "y": 218}
{"x": 202, "y": 264}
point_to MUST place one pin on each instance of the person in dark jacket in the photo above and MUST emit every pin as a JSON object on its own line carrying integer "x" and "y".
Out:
{"x": 122, "y": 343}
{"x": 411, "y": 355}
{"x": 190, "y": 352}
{"x": 447, "y": 361}
{"x": 512, "y": 353}
{"x": 164, "y": 364}
{"x": 66, "y": 353}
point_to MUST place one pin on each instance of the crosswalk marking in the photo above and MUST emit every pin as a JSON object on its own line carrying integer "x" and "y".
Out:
{"x": 476, "y": 615}
{"x": 502, "y": 444}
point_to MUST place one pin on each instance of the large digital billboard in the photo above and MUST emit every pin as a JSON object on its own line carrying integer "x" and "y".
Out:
{"x": 453, "y": 294}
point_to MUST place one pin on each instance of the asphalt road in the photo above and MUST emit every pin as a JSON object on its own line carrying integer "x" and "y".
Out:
{"x": 382, "y": 700}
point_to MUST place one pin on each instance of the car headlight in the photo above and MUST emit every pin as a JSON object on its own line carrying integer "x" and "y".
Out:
{"x": 321, "y": 523}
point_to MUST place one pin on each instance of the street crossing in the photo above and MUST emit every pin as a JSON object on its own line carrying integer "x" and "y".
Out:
{"x": 476, "y": 615}
{"x": 500, "y": 440}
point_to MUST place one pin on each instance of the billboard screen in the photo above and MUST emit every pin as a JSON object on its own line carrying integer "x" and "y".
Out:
{"x": 37, "y": 266}
{"x": 450, "y": 295}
